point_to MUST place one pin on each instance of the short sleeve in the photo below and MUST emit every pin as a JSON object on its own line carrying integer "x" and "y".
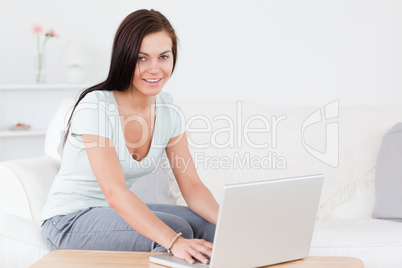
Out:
{"x": 91, "y": 118}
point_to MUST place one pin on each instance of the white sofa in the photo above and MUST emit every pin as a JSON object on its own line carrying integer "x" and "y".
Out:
{"x": 237, "y": 142}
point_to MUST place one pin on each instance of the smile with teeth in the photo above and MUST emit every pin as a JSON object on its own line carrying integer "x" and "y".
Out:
{"x": 153, "y": 80}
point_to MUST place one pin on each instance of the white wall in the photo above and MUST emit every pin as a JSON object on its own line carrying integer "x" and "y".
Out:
{"x": 282, "y": 52}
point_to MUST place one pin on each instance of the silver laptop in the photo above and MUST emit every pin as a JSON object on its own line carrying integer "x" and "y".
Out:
{"x": 261, "y": 223}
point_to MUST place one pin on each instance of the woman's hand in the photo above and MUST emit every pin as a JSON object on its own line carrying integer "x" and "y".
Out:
{"x": 186, "y": 249}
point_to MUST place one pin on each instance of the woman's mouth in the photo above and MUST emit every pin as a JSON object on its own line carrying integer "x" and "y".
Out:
{"x": 152, "y": 81}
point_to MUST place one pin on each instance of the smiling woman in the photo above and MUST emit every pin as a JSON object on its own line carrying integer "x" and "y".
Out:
{"x": 121, "y": 121}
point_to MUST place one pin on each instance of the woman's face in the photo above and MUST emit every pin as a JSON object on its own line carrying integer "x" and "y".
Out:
{"x": 154, "y": 64}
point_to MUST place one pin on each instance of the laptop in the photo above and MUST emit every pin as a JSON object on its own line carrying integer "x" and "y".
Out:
{"x": 261, "y": 223}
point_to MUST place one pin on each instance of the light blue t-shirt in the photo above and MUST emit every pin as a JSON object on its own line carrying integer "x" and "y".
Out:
{"x": 75, "y": 187}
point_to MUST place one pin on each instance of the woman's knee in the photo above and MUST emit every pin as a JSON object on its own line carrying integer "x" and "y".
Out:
{"x": 202, "y": 229}
{"x": 177, "y": 223}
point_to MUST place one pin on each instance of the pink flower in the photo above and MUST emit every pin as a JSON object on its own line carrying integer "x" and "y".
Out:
{"x": 51, "y": 33}
{"x": 37, "y": 29}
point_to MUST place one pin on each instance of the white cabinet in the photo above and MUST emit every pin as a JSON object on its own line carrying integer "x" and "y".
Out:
{"x": 34, "y": 105}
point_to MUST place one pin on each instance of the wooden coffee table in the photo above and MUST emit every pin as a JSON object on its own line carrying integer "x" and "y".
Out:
{"x": 100, "y": 259}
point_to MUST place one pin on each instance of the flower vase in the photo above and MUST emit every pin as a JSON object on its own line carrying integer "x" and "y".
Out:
{"x": 39, "y": 65}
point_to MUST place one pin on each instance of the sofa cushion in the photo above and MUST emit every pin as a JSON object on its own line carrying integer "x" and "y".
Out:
{"x": 21, "y": 242}
{"x": 378, "y": 243}
{"x": 388, "y": 178}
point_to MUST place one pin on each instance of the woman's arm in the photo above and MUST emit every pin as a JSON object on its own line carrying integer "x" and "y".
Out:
{"x": 110, "y": 176}
{"x": 198, "y": 197}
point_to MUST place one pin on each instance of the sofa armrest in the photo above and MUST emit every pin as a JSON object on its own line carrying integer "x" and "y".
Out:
{"x": 24, "y": 185}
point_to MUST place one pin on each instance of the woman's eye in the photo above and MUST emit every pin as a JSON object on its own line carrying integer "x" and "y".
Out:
{"x": 164, "y": 57}
{"x": 141, "y": 59}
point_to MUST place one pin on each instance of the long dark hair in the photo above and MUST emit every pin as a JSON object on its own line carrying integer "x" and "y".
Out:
{"x": 126, "y": 45}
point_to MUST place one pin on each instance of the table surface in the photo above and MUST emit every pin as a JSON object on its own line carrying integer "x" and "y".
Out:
{"x": 100, "y": 259}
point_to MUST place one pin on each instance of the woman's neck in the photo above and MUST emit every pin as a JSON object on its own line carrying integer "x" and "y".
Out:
{"x": 136, "y": 100}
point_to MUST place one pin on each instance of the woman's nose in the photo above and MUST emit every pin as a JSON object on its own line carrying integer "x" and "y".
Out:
{"x": 153, "y": 66}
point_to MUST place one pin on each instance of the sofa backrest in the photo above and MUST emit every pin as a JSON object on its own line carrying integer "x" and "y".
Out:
{"x": 235, "y": 142}
{"x": 56, "y": 129}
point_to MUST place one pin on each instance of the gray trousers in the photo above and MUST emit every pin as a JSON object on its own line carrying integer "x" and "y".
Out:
{"x": 102, "y": 228}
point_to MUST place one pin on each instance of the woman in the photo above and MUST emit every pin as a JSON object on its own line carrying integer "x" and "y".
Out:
{"x": 114, "y": 127}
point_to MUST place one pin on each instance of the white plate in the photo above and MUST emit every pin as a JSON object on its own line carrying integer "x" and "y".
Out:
{"x": 15, "y": 127}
